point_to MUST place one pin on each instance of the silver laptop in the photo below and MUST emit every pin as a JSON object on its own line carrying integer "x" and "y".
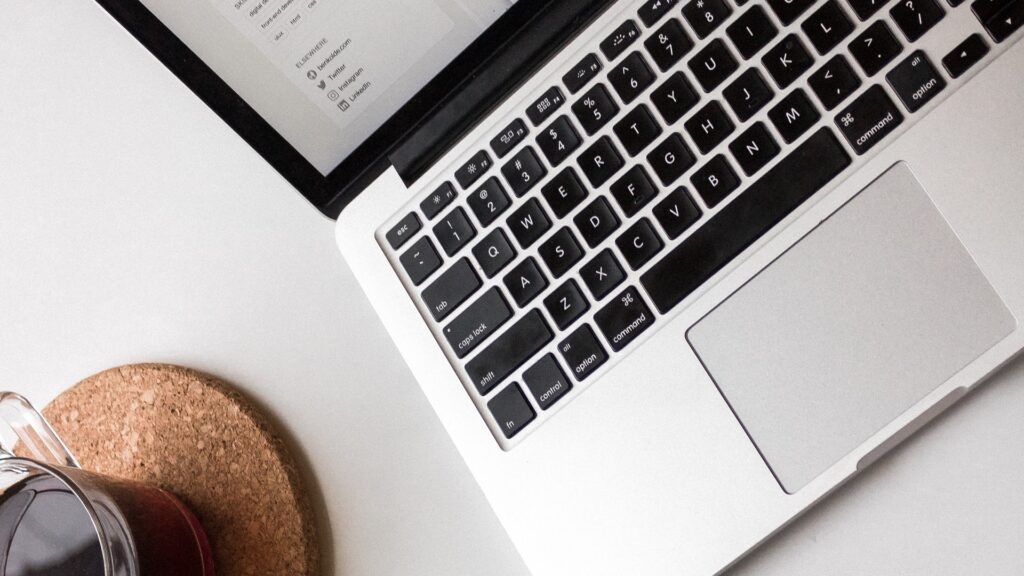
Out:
{"x": 668, "y": 271}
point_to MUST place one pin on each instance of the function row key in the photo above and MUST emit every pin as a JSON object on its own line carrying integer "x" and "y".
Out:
{"x": 509, "y": 138}
{"x": 439, "y": 200}
{"x": 654, "y": 10}
{"x": 620, "y": 39}
{"x": 473, "y": 169}
{"x": 582, "y": 73}
{"x": 548, "y": 103}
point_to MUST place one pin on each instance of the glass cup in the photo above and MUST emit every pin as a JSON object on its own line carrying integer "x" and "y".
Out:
{"x": 58, "y": 519}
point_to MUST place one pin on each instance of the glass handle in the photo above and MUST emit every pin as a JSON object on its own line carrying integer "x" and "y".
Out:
{"x": 32, "y": 431}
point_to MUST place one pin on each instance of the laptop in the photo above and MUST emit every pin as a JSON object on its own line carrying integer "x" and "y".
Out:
{"x": 668, "y": 271}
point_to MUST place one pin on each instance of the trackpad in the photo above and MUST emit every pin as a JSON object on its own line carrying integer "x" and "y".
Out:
{"x": 861, "y": 319}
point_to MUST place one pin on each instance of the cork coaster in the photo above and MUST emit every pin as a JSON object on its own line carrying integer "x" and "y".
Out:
{"x": 194, "y": 436}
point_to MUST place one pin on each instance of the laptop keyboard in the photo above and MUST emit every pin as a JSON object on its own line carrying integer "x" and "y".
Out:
{"x": 688, "y": 132}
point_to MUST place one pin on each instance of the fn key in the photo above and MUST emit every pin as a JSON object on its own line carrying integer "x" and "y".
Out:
{"x": 511, "y": 410}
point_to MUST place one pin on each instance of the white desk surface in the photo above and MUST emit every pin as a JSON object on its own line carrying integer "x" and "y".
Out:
{"x": 135, "y": 227}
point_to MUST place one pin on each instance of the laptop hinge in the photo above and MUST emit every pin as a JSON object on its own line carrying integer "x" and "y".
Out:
{"x": 537, "y": 39}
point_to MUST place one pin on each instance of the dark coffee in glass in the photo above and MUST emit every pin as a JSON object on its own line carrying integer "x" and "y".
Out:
{"x": 59, "y": 520}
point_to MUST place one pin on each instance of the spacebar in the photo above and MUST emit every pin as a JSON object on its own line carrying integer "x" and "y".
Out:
{"x": 762, "y": 205}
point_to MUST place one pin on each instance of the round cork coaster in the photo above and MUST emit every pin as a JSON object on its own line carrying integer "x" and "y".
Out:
{"x": 195, "y": 437}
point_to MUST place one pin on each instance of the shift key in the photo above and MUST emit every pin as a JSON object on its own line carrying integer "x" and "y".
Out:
{"x": 869, "y": 119}
{"x": 509, "y": 351}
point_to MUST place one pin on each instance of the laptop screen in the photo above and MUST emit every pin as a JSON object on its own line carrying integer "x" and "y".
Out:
{"x": 326, "y": 74}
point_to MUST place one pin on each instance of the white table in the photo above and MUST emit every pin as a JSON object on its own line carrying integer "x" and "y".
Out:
{"x": 129, "y": 234}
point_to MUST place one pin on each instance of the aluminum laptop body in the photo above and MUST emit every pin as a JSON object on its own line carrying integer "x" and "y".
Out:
{"x": 861, "y": 273}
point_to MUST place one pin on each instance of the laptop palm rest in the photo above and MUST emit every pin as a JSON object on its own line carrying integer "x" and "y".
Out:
{"x": 864, "y": 317}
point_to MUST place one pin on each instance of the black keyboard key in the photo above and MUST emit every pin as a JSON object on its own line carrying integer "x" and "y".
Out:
{"x": 834, "y": 82}
{"x": 631, "y": 77}
{"x": 546, "y": 381}
{"x": 674, "y": 98}
{"x": 525, "y": 282}
{"x": 560, "y": 252}
{"x": 637, "y": 130}
{"x": 489, "y": 201}
{"x": 566, "y": 304}
{"x": 600, "y": 162}
{"x": 754, "y": 148}
{"x": 420, "y": 260}
{"x": 509, "y": 138}
{"x": 671, "y": 159}
{"x": 582, "y": 352}
{"x": 916, "y": 81}
{"x": 789, "y": 10}
{"x": 827, "y": 27}
{"x": 713, "y": 64}
{"x": 596, "y": 222}
{"x": 787, "y": 61}
{"x": 494, "y": 252}
{"x": 654, "y": 10}
{"x": 748, "y": 94}
{"x": 477, "y": 323}
{"x": 400, "y": 233}
{"x": 986, "y": 10}
{"x": 868, "y": 119}
{"x": 624, "y": 319}
{"x": 955, "y": 3}
{"x": 668, "y": 44}
{"x": 438, "y": 201}
{"x": 633, "y": 190}
{"x": 511, "y": 410}
{"x": 558, "y": 141}
{"x": 454, "y": 231}
{"x": 564, "y": 192}
{"x": 595, "y": 109}
{"x": 677, "y": 213}
{"x": 620, "y": 39}
{"x": 715, "y": 180}
{"x": 875, "y": 48}
{"x": 473, "y": 169}
{"x": 1007, "y": 21}
{"x": 602, "y": 274}
{"x": 866, "y": 8}
{"x": 965, "y": 55}
{"x": 794, "y": 115}
{"x": 528, "y": 223}
{"x": 548, "y": 103}
{"x": 524, "y": 171}
{"x": 705, "y": 16}
{"x": 452, "y": 288}
{"x": 709, "y": 127}
{"x": 752, "y": 31}
{"x": 915, "y": 17}
{"x": 582, "y": 73}
{"x": 771, "y": 198}
{"x": 509, "y": 351}
{"x": 639, "y": 243}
